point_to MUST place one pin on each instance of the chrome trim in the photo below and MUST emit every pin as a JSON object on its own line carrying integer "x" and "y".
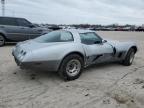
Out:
{"x": 23, "y": 34}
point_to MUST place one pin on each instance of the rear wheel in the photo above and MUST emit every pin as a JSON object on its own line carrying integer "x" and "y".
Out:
{"x": 2, "y": 40}
{"x": 129, "y": 57}
{"x": 71, "y": 67}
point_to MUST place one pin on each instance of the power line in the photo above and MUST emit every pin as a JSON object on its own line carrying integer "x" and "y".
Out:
{"x": 3, "y": 7}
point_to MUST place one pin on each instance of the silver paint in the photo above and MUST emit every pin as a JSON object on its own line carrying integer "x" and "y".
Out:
{"x": 45, "y": 53}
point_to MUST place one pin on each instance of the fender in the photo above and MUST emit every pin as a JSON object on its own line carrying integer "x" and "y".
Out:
{"x": 3, "y": 33}
{"x": 114, "y": 49}
{"x": 133, "y": 46}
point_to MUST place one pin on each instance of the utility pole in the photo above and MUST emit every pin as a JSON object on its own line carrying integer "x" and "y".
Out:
{"x": 3, "y": 7}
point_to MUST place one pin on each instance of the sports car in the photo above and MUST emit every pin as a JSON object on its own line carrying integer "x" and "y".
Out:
{"x": 69, "y": 51}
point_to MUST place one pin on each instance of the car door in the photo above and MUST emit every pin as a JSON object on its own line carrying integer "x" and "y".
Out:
{"x": 96, "y": 51}
{"x": 13, "y": 31}
{"x": 26, "y": 27}
{"x": 30, "y": 30}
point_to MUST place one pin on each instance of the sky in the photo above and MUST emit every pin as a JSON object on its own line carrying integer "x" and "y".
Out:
{"x": 78, "y": 11}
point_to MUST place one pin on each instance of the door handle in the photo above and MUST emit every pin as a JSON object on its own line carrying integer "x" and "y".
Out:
{"x": 22, "y": 28}
{"x": 40, "y": 30}
{"x": 2, "y": 27}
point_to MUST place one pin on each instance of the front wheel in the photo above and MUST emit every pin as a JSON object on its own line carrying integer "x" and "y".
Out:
{"x": 129, "y": 57}
{"x": 71, "y": 67}
{"x": 2, "y": 40}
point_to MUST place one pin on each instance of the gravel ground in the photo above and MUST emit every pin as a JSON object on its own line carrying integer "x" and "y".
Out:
{"x": 100, "y": 86}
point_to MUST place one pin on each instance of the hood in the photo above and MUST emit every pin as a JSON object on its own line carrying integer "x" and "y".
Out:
{"x": 115, "y": 42}
{"x": 43, "y": 29}
{"x": 122, "y": 46}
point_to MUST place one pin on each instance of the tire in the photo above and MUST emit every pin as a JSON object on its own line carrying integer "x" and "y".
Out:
{"x": 71, "y": 67}
{"x": 129, "y": 57}
{"x": 2, "y": 41}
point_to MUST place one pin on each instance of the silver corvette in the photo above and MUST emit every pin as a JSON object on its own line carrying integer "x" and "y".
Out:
{"x": 69, "y": 51}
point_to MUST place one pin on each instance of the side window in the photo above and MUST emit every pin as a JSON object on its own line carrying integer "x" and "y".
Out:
{"x": 1, "y": 21}
{"x": 23, "y": 22}
{"x": 52, "y": 37}
{"x": 90, "y": 38}
{"x": 56, "y": 36}
{"x": 8, "y": 21}
{"x": 66, "y": 36}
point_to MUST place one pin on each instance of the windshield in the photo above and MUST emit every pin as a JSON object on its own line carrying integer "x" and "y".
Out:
{"x": 55, "y": 36}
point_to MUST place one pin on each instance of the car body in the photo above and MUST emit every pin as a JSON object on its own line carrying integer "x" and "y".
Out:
{"x": 18, "y": 29}
{"x": 49, "y": 51}
{"x": 140, "y": 29}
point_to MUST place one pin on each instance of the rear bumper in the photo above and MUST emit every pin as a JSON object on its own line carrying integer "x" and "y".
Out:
{"x": 40, "y": 65}
{"x": 52, "y": 65}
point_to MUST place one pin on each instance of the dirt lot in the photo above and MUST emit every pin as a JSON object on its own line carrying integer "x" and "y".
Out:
{"x": 100, "y": 86}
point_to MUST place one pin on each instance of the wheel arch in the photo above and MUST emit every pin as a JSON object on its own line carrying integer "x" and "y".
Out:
{"x": 3, "y": 35}
{"x": 74, "y": 52}
{"x": 131, "y": 47}
{"x": 126, "y": 61}
{"x": 134, "y": 47}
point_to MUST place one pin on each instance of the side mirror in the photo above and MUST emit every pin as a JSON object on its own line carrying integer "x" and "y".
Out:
{"x": 97, "y": 42}
{"x": 104, "y": 41}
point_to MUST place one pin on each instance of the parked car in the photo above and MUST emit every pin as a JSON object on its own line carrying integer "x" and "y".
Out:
{"x": 18, "y": 29}
{"x": 69, "y": 51}
{"x": 140, "y": 29}
{"x": 54, "y": 28}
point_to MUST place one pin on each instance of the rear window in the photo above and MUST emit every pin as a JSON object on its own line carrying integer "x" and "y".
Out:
{"x": 8, "y": 21}
{"x": 55, "y": 36}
